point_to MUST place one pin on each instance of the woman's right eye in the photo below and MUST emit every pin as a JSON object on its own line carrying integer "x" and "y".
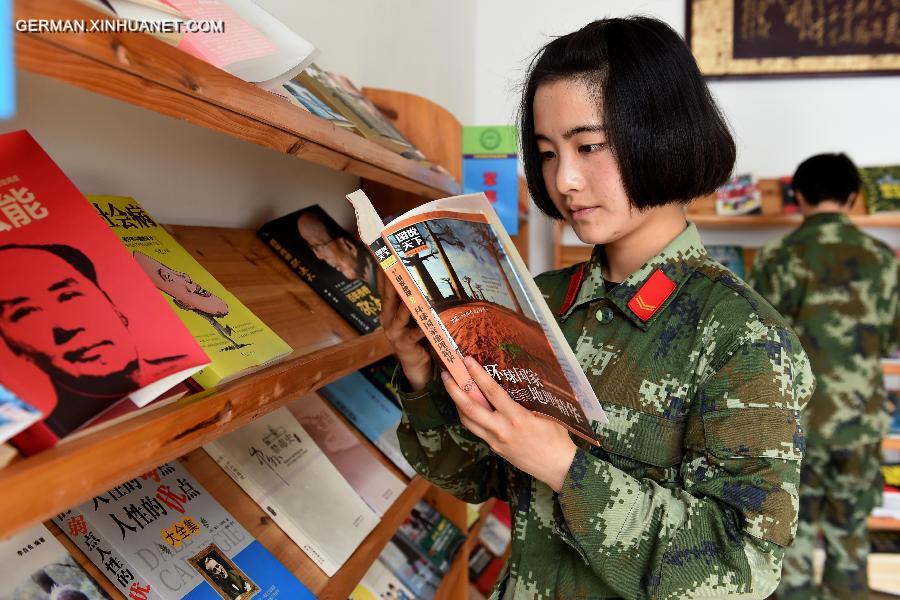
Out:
{"x": 547, "y": 155}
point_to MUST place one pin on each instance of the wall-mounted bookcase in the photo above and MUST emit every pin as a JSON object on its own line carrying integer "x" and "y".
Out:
{"x": 142, "y": 71}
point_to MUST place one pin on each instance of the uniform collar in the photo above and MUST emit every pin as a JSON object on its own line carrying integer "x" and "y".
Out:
{"x": 677, "y": 261}
{"x": 826, "y": 217}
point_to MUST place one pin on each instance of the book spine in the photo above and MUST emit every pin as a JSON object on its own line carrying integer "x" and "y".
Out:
{"x": 342, "y": 305}
{"x": 105, "y": 556}
{"x": 423, "y": 313}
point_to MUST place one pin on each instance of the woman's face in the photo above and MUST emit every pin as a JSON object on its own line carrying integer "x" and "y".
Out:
{"x": 580, "y": 172}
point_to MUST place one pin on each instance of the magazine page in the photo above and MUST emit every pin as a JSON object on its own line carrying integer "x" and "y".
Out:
{"x": 469, "y": 290}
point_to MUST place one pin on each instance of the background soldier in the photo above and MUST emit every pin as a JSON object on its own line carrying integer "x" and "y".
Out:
{"x": 838, "y": 288}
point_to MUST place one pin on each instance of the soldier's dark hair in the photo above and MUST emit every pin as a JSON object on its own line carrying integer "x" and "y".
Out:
{"x": 669, "y": 138}
{"x": 826, "y": 177}
{"x": 75, "y": 257}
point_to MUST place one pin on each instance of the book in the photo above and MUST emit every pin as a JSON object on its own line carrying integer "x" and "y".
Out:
{"x": 380, "y": 584}
{"x": 253, "y": 45}
{"x": 236, "y": 341}
{"x": 789, "y": 204}
{"x": 381, "y": 123}
{"x": 411, "y": 568}
{"x": 276, "y": 462}
{"x": 381, "y": 375}
{"x": 162, "y": 536}
{"x": 371, "y": 413}
{"x": 336, "y": 265}
{"x": 36, "y": 566}
{"x": 462, "y": 279}
{"x": 374, "y": 482}
{"x": 730, "y": 257}
{"x": 881, "y": 186}
{"x": 321, "y": 84}
{"x": 432, "y": 535}
{"x": 738, "y": 196}
{"x": 15, "y": 414}
{"x": 312, "y": 104}
{"x": 82, "y": 326}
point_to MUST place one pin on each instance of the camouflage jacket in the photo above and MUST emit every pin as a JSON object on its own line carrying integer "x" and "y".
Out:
{"x": 837, "y": 287}
{"x": 694, "y": 491}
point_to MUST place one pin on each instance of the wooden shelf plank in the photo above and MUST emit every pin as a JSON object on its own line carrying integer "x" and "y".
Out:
{"x": 891, "y": 368}
{"x": 325, "y": 349}
{"x": 146, "y": 72}
{"x": 890, "y": 443}
{"x": 261, "y": 526}
{"x": 761, "y": 221}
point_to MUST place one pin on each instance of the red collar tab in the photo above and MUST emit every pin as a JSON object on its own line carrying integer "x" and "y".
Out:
{"x": 572, "y": 292}
{"x": 653, "y": 294}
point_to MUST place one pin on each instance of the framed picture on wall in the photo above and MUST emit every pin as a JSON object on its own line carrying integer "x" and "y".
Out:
{"x": 762, "y": 38}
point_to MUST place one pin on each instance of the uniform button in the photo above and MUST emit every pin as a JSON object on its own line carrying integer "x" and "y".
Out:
{"x": 604, "y": 315}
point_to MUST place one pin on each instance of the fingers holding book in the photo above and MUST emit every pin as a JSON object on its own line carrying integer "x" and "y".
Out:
{"x": 406, "y": 338}
{"x": 536, "y": 445}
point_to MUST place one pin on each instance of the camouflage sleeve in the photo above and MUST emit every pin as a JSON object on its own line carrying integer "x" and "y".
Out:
{"x": 724, "y": 530}
{"x": 766, "y": 277}
{"x": 441, "y": 450}
{"x": 892, "y": 335}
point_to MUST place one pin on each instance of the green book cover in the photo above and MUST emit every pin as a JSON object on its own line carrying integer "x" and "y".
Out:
{"x": 882, "y": 188}
{"x": 235, "y": 339}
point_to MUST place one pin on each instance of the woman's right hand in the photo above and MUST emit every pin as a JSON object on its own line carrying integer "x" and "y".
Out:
{"x": 405, "y": 335}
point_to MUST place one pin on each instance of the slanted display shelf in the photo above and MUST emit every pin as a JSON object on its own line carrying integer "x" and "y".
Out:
{"x": 325, "y": 348}
{"x": 145, "y": 72}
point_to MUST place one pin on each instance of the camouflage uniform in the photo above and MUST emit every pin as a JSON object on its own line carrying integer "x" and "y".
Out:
{"x": 694, "y": 492}
{"x": 837, "y": 287}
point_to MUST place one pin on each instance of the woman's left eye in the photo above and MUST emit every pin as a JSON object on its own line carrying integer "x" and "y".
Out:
{"x": 588, "y": 148}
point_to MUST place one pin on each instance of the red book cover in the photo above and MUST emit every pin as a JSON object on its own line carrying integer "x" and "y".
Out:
{"x": 81, "y": 325}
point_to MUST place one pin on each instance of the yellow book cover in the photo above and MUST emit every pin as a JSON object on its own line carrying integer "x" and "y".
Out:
{"x": 235, "y": 339}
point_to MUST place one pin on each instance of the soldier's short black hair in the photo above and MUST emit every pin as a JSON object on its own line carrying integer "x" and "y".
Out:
{"x": 669, "y": 138}
{"x": 826, "y": 177}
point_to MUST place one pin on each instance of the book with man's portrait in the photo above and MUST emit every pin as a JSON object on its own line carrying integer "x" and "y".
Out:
{"x": 81, "y": 326}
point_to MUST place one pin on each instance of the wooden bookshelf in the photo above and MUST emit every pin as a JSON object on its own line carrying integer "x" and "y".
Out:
{"x": 325, "y": 349}
{"x": 145, "y": 72}
{"x": 455, "y": 585}
{"x": 884, "y": 524}
{"x": 891, "y": 368}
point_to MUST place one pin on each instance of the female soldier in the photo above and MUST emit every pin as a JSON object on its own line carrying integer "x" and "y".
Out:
{"x": 694, "y": 491}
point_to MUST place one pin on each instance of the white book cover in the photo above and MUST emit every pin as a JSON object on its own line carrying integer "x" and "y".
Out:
{"x": 373, "y": 481}
{"x": 380, "y": 584}
{"x": 162, "y": 536}
{"x": 278, "y": 464}
{"x": 35, "y": 566}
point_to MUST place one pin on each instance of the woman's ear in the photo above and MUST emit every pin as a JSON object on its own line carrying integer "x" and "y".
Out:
{"x": 851, "y": 200}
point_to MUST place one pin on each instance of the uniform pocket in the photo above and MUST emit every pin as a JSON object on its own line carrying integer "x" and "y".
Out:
{"x": 643, "y": 438}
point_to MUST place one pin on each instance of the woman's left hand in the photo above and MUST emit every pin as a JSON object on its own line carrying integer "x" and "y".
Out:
{"x": 538, "y": 446}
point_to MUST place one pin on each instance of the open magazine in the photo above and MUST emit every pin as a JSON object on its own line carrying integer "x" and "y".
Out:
{"x": 460, "y": 275}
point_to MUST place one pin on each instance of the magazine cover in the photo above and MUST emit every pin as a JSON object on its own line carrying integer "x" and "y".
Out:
{"x": 414, "y": 570}
{"x": 373, "y": 481}
{"x": 35, "y": 566}
{"x": 162, "y": 536}
{"x": 278, "y": 465}
{"x": 15, "y": 414}
{"x": 882, "y": 188}
{"x": 81, "y": 325}
{"x": 334, "y": 263}
{"x": 432, "y": 535}
{"x": 380, "y": 584}
{"x": 236, "y": 341}
{"x": 461, "y": 277}
{"x": 371, "y": 413}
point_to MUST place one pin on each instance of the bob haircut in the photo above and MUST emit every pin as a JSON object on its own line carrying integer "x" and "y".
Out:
{"x": 826, "y": 177}
{"x": 668, "y": 137}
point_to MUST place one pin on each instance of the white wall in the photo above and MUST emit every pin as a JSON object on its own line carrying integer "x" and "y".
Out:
{"x": 777, "y": 123}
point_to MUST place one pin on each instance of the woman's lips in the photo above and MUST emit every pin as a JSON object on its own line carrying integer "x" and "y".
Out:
{"x": 582, "y": 213}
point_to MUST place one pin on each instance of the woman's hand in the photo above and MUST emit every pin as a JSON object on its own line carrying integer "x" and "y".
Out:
{"x": 538, "y": 446}
{"x": 406, "y": 337}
